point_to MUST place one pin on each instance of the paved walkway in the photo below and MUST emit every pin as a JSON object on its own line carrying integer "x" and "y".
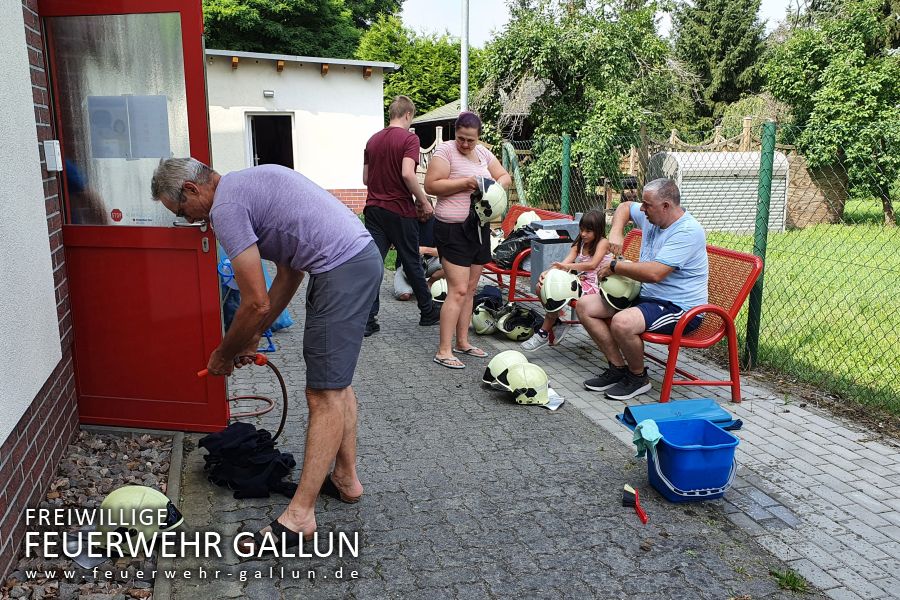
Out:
{"x": 471, "y": 496}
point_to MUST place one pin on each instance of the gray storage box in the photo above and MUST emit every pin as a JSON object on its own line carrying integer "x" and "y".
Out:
{"x": 543, "y": 254}
{"x": 567, "y": 227}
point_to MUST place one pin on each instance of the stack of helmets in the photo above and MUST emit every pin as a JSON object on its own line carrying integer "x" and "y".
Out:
{"x": 439, "y": 290}
{"x": 485, "y": 314}
{"x": 559, "y": 288}
{"x": 517, "y": 323}
{"x": 510, "y": 371}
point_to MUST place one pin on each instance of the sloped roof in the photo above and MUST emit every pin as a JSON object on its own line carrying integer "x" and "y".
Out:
{"x": 448, "y": 112}
{"x": 387, "y": 66}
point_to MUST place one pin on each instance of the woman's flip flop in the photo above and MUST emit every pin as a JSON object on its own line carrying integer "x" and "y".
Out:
{"x": 473, "y": 351}
{"x": 450, "y": 363}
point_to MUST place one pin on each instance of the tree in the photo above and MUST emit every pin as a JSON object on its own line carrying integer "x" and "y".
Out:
{"x": 429, "y": 64}
{"x": 599, "y": 76}
{"x": 842, "y": 86}
{"x": 365, "y": 12}
{"x": 721, "y": 40}
{"x": 330, "y": 28}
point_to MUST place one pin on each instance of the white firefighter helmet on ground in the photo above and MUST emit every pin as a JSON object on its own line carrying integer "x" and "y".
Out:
{"x": 529, "y": 384}
{"x": 619, "y": 291}
{"x": 133, "y": 509}
{"x": 526, "y": 218}
{"x": 439, "y": 290}
{"x": 496, "y": 373}
{"x": 517, "y": 325}
{"x": 492, "y": 205}
{"x": 483, "y": 321}
{"x": 558, "y": 288}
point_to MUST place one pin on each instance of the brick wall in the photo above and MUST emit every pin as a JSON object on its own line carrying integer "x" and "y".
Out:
{"x": 29, "y": 456}
{"x": 354, "y": 198}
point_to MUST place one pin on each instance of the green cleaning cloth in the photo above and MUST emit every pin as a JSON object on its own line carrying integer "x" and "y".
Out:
{"x": 646, "y": 434}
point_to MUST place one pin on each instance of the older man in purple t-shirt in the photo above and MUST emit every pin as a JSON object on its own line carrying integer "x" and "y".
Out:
{"x": 278, "y": 214}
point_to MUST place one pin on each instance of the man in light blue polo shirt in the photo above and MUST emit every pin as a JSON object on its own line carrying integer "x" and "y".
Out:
{"x": 674, "y": 274}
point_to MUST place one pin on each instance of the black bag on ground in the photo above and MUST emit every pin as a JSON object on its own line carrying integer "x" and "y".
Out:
{"x": 489, "y": 296}
{"x": 507, "y": 250}
{"x": 244, "y": 459}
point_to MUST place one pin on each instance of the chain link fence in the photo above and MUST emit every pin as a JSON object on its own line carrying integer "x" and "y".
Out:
{"x": 831, "y": 288}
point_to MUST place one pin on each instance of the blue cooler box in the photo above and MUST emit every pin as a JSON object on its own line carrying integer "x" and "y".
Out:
{"x": 693, "y": 461}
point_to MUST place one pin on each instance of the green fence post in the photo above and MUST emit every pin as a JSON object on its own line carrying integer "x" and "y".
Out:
{"x": 566, "y": 172}
{"x": 764, "y": 195}
{"x": 515, "y": 171}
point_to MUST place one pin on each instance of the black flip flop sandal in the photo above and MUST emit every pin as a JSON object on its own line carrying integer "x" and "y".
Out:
{"x": 329, "y": 489}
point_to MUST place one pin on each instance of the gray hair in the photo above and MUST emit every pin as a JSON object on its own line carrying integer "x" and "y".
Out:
{"x": 171, "y": 173}
{"x": 665, "y": 189}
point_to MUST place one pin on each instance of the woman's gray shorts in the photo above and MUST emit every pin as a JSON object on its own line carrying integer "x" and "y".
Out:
{"x": 337, "y": 307}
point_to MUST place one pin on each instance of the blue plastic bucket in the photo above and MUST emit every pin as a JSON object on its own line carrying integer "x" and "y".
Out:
{"x": 693, "y": 461}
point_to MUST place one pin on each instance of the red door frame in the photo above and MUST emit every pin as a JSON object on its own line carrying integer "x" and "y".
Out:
{"x": 213, "y": 414}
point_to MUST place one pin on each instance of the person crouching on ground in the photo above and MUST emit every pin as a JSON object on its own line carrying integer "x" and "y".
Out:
{"x": 462, "y": 242}
{"x": 589, "y": 252}
{"x": 674, "y": 274}
{"x": 275, "y": 213}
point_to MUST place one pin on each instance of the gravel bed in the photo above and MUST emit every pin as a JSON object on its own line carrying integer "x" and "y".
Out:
{"x": 93, "y": 465}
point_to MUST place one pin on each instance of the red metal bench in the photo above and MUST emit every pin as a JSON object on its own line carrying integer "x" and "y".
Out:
{"x": 492, "y": 271}
{"x": 731, "y": 277}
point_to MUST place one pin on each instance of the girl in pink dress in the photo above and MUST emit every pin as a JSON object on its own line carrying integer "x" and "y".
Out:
{"x": 589, "y": 251}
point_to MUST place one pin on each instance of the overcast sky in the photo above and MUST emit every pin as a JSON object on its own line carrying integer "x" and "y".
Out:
{"x": 437, "y": 16}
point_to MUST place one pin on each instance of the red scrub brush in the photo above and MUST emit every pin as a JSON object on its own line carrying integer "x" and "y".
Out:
{"x": 630, "y": 497}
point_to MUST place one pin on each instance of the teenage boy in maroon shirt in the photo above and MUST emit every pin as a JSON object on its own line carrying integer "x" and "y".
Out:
{"x": 395, "y": 202}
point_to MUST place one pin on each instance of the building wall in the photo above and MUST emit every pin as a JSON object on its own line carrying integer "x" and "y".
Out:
{"x": 38, "y": 413}
{"x": 334, "y": 115}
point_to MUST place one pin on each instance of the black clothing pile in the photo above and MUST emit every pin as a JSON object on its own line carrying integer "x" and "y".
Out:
{"x": 244, "y": 459}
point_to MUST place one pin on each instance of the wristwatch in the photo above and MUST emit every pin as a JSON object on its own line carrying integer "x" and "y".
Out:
{"x": 612, "y": 265}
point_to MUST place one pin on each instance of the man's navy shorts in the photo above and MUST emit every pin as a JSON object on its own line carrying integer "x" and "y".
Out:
{"x": 660, "y": 316}
{"x": 337, "y": 308}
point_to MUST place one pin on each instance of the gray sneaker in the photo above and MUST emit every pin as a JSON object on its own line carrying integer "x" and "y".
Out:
{"x": 536, "y": 341}
{"x": 558, "y": 332}
{"x": 607, "y": 379}
{"x": 629, "y": 387}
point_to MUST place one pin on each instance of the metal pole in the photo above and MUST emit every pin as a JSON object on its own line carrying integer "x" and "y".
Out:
{"x": 464, "y": 59}
{"x": 566, "y": 172}
{"x": 760, "y": 236}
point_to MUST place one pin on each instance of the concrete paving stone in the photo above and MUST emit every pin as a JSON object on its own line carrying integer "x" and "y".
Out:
{"x": 870, "y": 551}
{"x": 747, "y": 524}
{"x": 774, "y": 544}
{"x": 869, "y": 570}
{"x": 869, "y": 518}
{"x": 890, "y": 460}
{"x": 858, "y": 583}
{"x": 876, "y": 469}
{"x": 865, "y": 500}
{"x": 833, "y": 483}
{"x": 760, "y": 497}
{"x": 814, "y": 574}
{"x": 842, "y": 594}
{"x": 785, "y": 516}
{"x": 803, "y": 465}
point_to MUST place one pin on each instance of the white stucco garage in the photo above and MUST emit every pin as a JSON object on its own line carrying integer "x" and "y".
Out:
{"x": 313, "y": 114}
